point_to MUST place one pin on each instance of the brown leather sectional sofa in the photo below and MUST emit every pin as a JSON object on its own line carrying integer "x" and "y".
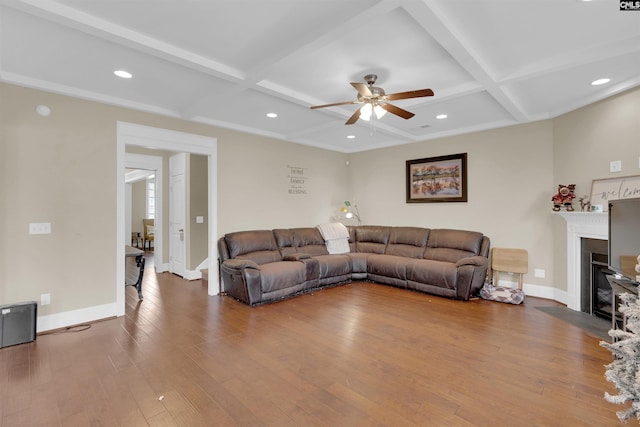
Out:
{"x": 267, "y": 265}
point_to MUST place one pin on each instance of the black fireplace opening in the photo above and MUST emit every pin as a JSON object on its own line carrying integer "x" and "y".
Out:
{"x": 596, "y": 293}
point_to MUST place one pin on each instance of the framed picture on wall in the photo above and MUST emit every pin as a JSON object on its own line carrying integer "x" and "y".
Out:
{"x": 603, "y": 190}
{"x": 437, "y": 179}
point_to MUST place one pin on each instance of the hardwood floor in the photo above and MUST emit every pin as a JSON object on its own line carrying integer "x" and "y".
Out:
{"x": 354, "y": 355}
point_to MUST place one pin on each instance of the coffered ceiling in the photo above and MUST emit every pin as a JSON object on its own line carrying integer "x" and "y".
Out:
{"x": 491, "y": 63}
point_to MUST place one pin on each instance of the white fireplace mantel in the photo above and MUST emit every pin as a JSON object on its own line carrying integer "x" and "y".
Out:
{"x": 590, "y": 225}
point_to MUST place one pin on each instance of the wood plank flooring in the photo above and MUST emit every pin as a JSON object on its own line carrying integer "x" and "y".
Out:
{"x": 355, "y": 355}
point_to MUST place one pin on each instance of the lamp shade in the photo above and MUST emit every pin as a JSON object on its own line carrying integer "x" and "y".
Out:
{"x": 365, "y": 112}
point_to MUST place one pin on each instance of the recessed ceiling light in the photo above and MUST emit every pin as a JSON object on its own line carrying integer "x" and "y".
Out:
{"x": 272, "y": 115}
{"x": 123, "y": 74}
{"x": 441, "y": 116}
{"x": 351, "y": 137}
{"x": 600, "y": 82}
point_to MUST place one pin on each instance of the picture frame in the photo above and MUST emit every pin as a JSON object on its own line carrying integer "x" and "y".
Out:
{"x": 437, "y": 179}
{"x": 604, "y": 190}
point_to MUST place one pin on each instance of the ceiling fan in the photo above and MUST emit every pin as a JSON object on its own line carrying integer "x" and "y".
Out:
{"x": 375, "y": 101}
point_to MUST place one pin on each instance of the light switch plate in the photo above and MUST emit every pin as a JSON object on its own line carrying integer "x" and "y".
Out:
{"x": 40, "y": 228}
{"x": 615, "y": 166}
{"x": 199, "y": 219}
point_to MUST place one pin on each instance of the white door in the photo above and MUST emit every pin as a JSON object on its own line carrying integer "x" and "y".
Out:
{"x": 177, "y": 214}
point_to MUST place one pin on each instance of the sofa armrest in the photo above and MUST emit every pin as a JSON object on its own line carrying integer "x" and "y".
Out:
{"x": 239, "y": 264}
{"x": 296, "y": 257}
{"x": 311, "y": 264}
{"x": 479, "y": 261}
{"x": 241, "y": 280}
{"x": 472, "y": 272}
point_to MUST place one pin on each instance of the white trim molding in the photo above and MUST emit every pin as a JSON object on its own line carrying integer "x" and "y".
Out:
{"x": 169, "y": 140}
{"x": 590, "y": 225}
{"x": 75, "y": 317}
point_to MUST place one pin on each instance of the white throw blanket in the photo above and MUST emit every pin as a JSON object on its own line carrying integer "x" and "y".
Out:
{"x": 336, "y": 237}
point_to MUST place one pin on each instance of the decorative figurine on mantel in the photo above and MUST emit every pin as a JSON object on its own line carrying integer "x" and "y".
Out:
{"x": 564, "y": 197}
{"x": 585, "y": 204}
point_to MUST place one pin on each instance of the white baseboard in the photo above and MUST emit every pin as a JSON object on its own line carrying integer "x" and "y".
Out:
{"x": 75, "y": 317}
{"x": 546, "y": 292}
{"x": 188, "y": 274}
{"x": 161, "y": 268}
{"x": 192, "y": 274}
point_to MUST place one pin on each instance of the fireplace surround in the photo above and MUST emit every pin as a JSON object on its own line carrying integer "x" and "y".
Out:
{"x": 581, "y": 225}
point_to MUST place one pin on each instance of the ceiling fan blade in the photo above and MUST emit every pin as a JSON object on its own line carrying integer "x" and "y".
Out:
{"x": 354, "y": 118}
{"x": 410, "y": 94}
{"x": 362, "y": 89}
{"x": 397, "y": 111}
{"x": 334, "y": 104}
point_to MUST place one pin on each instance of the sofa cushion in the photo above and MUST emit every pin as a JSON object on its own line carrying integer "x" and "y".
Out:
{"x": 371, "y": 238}
{"x": 258, "y": 245}
{"x": 334, "y": 265}
{"x": 284, "y": 241}
{"x": 387, "y": 266}
{"x": 281, "y": 275}
{"x": 452, "y": 245}
{"x": 307, "y": 240}
{"x": 359, "y": 263}
{"x": 407, "y": 242}
{"x": 437, "y": 273}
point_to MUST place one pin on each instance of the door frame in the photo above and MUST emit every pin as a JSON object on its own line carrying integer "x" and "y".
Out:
{"x": 170, "y": 140}
{"x": 177, "y": 159}
{"x": 143, "y": 161}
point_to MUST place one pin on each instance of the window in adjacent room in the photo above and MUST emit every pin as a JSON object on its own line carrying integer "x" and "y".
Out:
{"x": 151, "y": 197}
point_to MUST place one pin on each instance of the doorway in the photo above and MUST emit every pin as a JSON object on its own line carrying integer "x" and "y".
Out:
{"x": 149, "y": 164}
{"x": 129, "y": 134}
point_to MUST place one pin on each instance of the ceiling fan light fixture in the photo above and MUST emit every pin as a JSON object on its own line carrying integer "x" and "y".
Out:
{"x": 368, "y": 109}
{"x": 365, "y": 112}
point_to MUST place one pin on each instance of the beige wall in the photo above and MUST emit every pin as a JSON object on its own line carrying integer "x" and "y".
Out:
{"x": 509, "y": 189}
{"x": 62, "y": 169}
{"x": 198, "y": 206}
{"x": 585, "y": 141}
{"x": 513, "y": 172}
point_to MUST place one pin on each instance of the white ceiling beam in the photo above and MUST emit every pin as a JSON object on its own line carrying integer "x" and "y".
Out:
{"x": 440, "y": 27}
{"x": 255, "y": 78}
{"x": 90, "y": 24}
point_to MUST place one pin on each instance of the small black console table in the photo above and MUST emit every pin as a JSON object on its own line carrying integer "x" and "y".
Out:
{"x": 133, "y": 275}
{"x": 620, "y": 286}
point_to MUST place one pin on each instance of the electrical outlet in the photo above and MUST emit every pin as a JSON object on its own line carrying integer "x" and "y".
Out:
{"x": 45, "y": 299}
{"x": 540, "y": 273}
